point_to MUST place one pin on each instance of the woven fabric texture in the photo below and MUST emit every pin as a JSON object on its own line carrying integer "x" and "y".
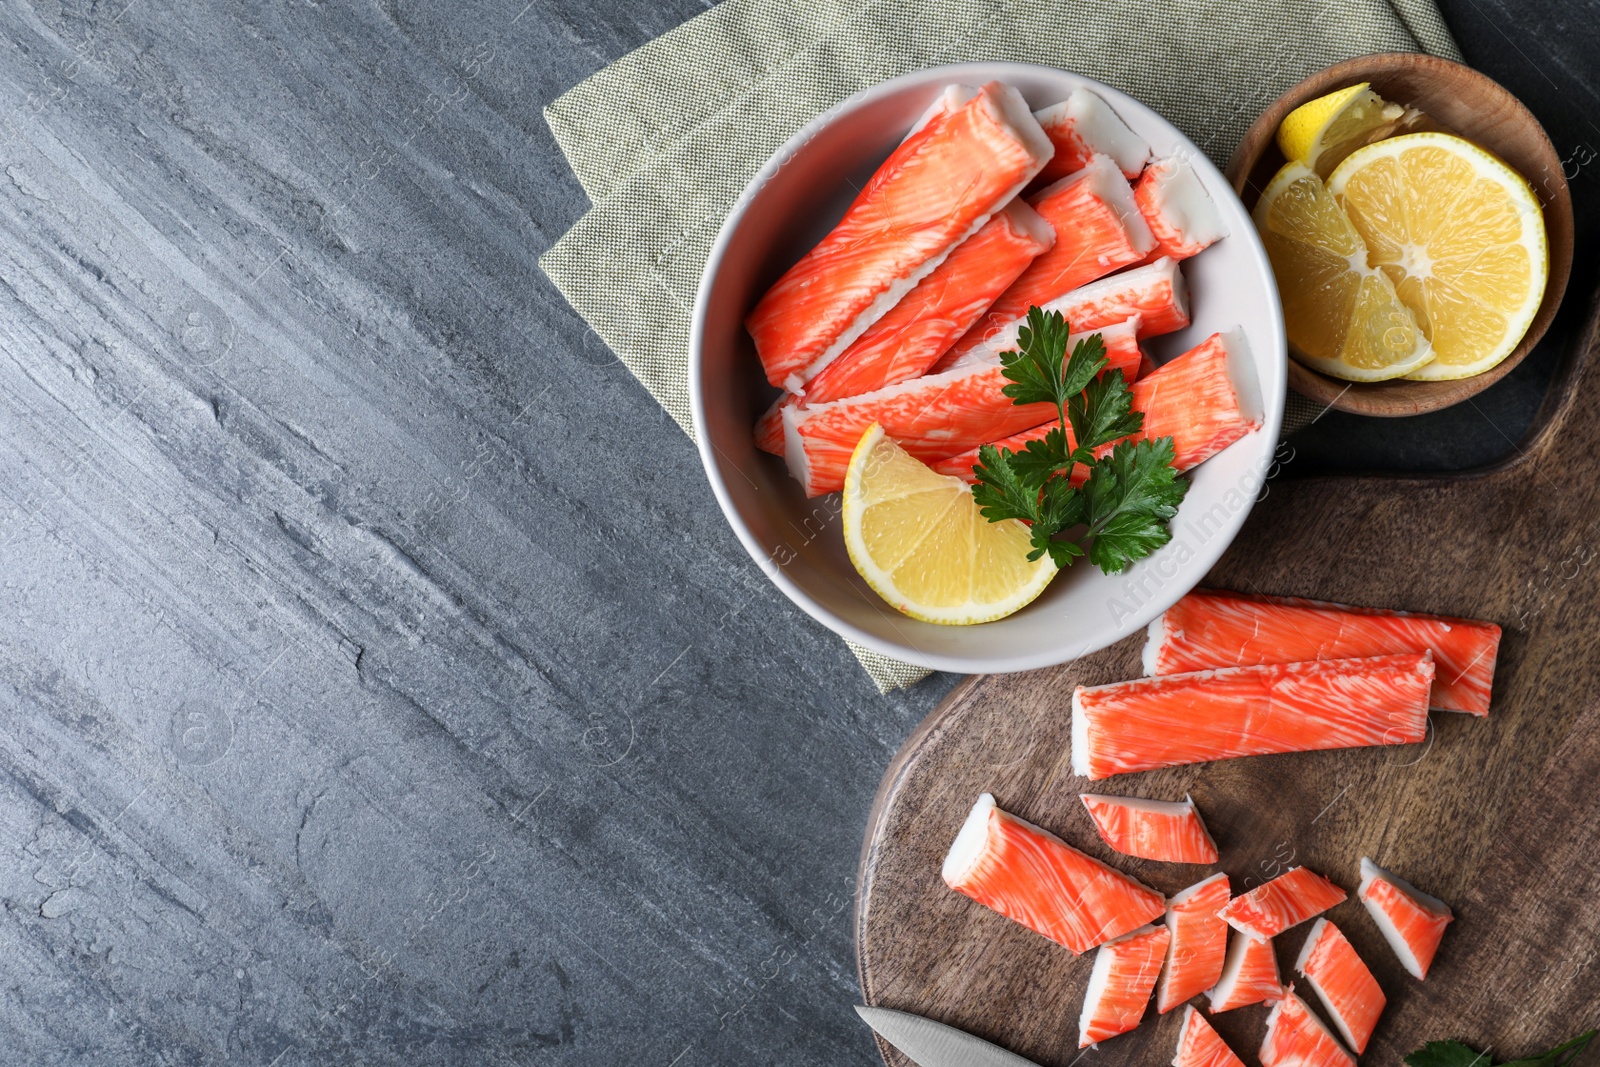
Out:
{"x": 665, "y": 139}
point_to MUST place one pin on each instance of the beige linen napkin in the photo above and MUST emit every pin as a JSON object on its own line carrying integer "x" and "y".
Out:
{"x": 665, "y": 139}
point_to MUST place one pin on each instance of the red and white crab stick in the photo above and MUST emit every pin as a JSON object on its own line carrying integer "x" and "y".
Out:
{"x": 1204, "y": 400}
{"x": 934, "y": 191}
{"x": 1212, "y": 628}
{"x": 1084, "y": 125}
{"x": 1166, "y": 830}
{"x": 1297, "y": 1038}
{"x": 1125, "y": 970}
{"x": 1288, "y": 900}
{"x": 1410, "y": 920}
{"x": 1149, "y": 723}
{"x": 1199, "y": 943}
{"x": 1339, "y": 978}
{"x": 1249, "y": 975}
{"x": 1031, "y": 876}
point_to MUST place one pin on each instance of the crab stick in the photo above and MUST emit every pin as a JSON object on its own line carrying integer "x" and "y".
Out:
{"x": 1199, "y": 1045}
{"x": 1249, "y": 976}
{"x": 1199, "y": 942}
{"x": 1154, "y": 292}
{"x": 1098, "y": 230}
{"x": 1288, "y": 900}
{"x": 1297, "y": 1038}
{"x": 1175, "y": 205}
{"x": 934, "y": 191}
{"x": 1165, "y": 830}
{"x": 1216, "y": 628}
{"x": 1204, "y": 400}
{"x": 1033, "y": 877}
{"x": 930, "y": 417}
{"x": 1149, "y": 723}
{"x": 1410, "y": 920}
{"x": 1084, "y": 124}
{"x": 1124, "y": 972}
{"x": 943, "y": 306}
{"x": 1330, "y": 965}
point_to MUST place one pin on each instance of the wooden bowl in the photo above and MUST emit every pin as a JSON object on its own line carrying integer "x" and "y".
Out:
{"x": 1464, "y": 102}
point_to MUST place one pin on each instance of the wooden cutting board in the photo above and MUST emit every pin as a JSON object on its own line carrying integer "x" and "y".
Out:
{"x": 1498, "y": 816}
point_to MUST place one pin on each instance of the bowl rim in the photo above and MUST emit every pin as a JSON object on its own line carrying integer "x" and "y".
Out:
{"x": 1359, "y": 398}
{"x": 1271, "y": 415}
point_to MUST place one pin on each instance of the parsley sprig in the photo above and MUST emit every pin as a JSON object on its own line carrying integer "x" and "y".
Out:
{"x": 1457, "y": 1054}
{"x": 1123, "y": 508}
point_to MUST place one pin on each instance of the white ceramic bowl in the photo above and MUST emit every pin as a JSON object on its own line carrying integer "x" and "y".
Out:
{"x": 795, "y": 199}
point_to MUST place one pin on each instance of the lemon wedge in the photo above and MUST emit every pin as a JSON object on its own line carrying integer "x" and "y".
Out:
{"x": 918, "y": 539}
{"x": 1324, "y": 131}
{"x": 1460, "y": 234}
{"x": 1343, "y": 316}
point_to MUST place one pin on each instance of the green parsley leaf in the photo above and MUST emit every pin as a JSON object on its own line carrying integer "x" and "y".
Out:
{"x": 1457, "y": 1054}
{"x": 1061, "y": 507}
{"x": 1000, "y": 493}
{"x": 1041, "y": 459}
{"x": 1131, "y": 494}
{"x": 1036, "y": 368}
{"x": 1103, "y": 412}
{"x": 1446, "y": 1054}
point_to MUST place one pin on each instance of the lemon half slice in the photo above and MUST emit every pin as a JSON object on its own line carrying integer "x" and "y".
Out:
{"x": 1322, "y": 132}
{"x": 918, "y": 539}
{"x": 1460, "y": 234}
{"x": 1343, "y": 316}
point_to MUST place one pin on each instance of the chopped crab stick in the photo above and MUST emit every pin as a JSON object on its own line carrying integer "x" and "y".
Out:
{"x": 1098, "y": 230}
{"x": 1167, "y": 830}
{"x": 1199, "y": 942}
{"x": 1216, "y": 628}
{"x": 1124, "y": 972}
{"x": 1082, "y": 125}
{"x": 1201, "y": 1046}
{"x": 944, "y": 305}
{"x": 1033, "y": 877}
{"x": 1296, "y": 1038}
{"x": 934, "y": 191}
{"x": 1288, "y": 900}
{"x": 931, "y": 417}
{"x": 1204, "y": 400}
{"x": 1249, "y": 976}
{"x": 1409, "y": 919}
{"x": 1329, "y": 963}
{"x": 1148, "y": 723}
{"x": 769, "y": 427}
{"x": 1175, "y": 205}
{"x": 1154, "y": 292}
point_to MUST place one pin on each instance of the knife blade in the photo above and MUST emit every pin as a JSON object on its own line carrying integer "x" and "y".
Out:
{"x": 933, "y": 1044}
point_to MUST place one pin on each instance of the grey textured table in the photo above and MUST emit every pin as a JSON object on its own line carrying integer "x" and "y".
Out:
{"x": 379, "y": 681}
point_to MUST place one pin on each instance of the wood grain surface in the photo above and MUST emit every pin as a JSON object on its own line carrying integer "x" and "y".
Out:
{"x": 1495, "y": 815}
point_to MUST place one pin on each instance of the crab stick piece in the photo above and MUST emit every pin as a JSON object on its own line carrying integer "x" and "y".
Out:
{"x": 1215, "y": 628}
{"x": 1082, "y": 125}
{"x": 1154, "y": 292}
{"x": 1410, "y": 920}
{"x": 1249, "y": 976}
{"x": 934, "y": 191}
{"x": 1199, "y": 1045}
{"x": 1124, "y": 972}
{"x": 914, "y": 333}
{"x": 1288, "y": 900}
{"x": 931, "y": 417}
{"x": 1098, "y": 230}
{"x": 1180, "y": 213}
{"x": 1329, "y": 963}
{"x": 1166, "y": 830}
{"x": 1148, "y": 723}
{"x": 1033, "y": 877}
{"x": 1296, "y": 1038}
{"x": 1199, "y": 942}
{"x": 1205, "y": 400}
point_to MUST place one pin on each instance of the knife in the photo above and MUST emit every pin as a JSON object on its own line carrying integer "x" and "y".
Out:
{"x": 933, "y": 1044}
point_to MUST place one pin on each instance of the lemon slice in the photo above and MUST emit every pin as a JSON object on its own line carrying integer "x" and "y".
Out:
{"x": 1323, "y": 132}
{"x": 1461, "y": 236}
{"x": 1343, "y": 317}
{"x": 919, "y": 540}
